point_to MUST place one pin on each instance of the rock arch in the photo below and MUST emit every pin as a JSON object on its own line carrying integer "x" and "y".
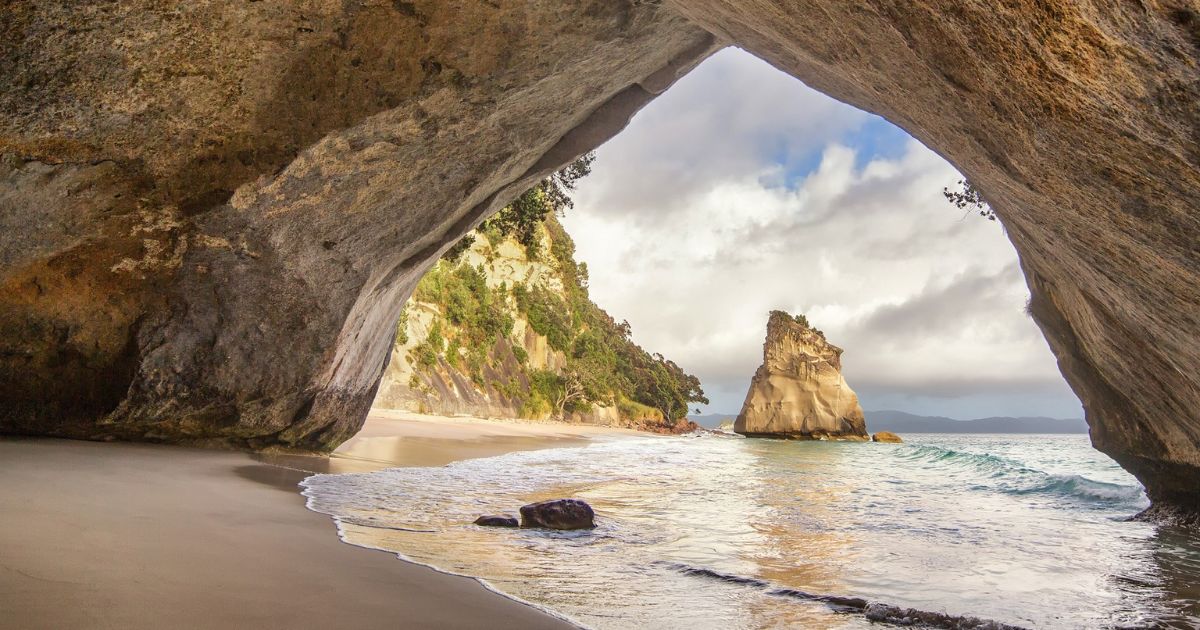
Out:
{"x": 210, "y": 214}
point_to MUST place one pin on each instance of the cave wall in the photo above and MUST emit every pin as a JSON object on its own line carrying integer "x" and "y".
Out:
{"x": 211, "y": 212}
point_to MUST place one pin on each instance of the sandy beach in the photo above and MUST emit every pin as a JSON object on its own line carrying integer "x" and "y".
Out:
{"x": 399, "y": 438}
{"x": 98, "y": 535}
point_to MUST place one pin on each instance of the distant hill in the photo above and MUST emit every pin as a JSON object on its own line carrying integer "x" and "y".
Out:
{"x": 901, "y": 422}
{"x": 712, "y": 420}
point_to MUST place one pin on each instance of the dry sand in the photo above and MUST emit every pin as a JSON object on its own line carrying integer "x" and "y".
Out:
{"x": 138, "y": 536}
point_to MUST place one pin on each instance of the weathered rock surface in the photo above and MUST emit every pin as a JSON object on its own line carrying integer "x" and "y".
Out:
{"x": 497, "y": 520}
{"x": 798, "y": 392}
{"x": 448, "y": 389}
{"x": 886, "y": 436}
{"x": 211, "y": 213}
{"x": 558, "y": 514}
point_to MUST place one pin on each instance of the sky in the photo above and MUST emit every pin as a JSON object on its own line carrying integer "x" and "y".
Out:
{"x": 741, "y": 190}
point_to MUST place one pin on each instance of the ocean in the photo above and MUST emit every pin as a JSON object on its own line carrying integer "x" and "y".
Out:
{"x": 706, "y": 531}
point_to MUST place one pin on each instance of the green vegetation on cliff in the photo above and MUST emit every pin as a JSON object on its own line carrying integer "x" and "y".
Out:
{"x": 590, "y": 362}
{"x": 523, "y": 218}
{"x": 608, "y": 366}
{"x": 799, "y": 318}
{"x": 475, "y": 313}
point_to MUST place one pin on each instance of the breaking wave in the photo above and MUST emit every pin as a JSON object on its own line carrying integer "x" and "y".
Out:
{"x": 1014, "y": 477}
{"x": 1082, "y": 487}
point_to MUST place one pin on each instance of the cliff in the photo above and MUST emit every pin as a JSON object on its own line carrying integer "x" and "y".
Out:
{"x": 502, "y": 330}
{"x": 798, "y": 392}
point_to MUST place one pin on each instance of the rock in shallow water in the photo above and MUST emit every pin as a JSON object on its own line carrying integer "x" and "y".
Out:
{"x": 886, "y": 436}
{"x": 497, "y": 520}
{"x": 558, "y": 514}
{"x": 799, "y": 393}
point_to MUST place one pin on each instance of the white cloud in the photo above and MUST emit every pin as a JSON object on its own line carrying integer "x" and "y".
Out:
{"x": 724, "y": 120}
{"x": 711, "y": 209}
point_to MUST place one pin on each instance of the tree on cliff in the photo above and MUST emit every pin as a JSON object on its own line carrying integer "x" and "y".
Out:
{"x": 456, "y": 251}
{"x": 521, "y": 218}
{"x": 666, "y": 387}
{"x": 967, "y": 197}
{"x": 564, "y": 393}
{"x": 558, "y": 187}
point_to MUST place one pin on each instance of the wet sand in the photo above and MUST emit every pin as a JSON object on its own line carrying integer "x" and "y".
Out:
{"x": 139, "y": 536}
{"x": 399, "y": 438}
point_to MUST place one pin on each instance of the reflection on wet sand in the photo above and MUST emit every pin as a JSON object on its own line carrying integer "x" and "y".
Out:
{"x": 803, "y": 544}
{"x": 805, "y": 541}
{"x": 1177, "y": 559}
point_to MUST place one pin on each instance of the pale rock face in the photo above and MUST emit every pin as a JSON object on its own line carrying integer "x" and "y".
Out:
{"x": 799, "y": 391}
{"x": 505, "y": 263}
{"x": 449, "y": 390}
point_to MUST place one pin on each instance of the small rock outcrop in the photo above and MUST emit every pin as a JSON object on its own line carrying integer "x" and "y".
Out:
{"x": 559, "y": 514}
{"x": 497, "y": 520}
{"x": 886, "y": 436}
{"x": 799, "y": 392}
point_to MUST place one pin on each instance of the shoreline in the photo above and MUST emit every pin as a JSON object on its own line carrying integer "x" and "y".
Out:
{"x": 124, "y": 535}
{"x": 397, "y": 439}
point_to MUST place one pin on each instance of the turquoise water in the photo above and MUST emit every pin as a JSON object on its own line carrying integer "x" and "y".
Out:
{"x": 716, "y": 532}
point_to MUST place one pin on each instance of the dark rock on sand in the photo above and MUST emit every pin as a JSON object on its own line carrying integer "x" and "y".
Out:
{"x": 497, "y": 520}
{"x": 558, "y": 514}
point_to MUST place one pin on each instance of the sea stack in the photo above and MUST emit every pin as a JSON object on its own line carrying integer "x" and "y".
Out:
{"x": 799, "y": 393}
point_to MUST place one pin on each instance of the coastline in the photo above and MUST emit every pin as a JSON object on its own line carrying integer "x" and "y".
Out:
{"x": 120, "y": 535}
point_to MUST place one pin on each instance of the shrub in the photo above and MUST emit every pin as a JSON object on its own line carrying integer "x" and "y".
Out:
{"x": 510, "y": 389}
{"x": 402, "y": 327}
{"x": 536, "y": 407}
{"x": 435, "y": 339}
{"x": 425, "y": 354}
{"x": 456, "y": 251}
{"x": 634, "y": 410}
{"x": 548, "y": 315}
{"x": 452, "y": 354}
